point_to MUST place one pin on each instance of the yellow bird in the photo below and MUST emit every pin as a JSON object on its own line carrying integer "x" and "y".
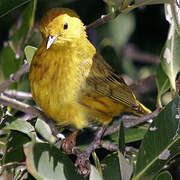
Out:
{"x": 70, "y": 80}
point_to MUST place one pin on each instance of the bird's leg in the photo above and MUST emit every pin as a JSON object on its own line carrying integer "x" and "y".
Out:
{"x": 69, "y": 143}
{"x": 82, "y": 161}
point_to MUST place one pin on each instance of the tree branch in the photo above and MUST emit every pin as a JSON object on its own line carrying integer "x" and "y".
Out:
{"x": 133, "y": 53}
{"x": 14, "y": 77}
{"x": 105, "y": 18}
{"x": 21, "y": 95}
{"x": 142, "y": 81}
{"x": 133, "y": 121}
{"x": 35, "y": 112}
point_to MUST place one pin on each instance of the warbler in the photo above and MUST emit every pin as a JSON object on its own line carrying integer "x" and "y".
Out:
{"x": 71, "y": 81}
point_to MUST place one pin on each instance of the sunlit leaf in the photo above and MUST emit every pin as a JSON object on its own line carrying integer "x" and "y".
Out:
{"x": 29, "y": 52}
{"x": 45, "y": 161}
{"x": 125, "y": 167}
{"x": 44, "y": 130}
{"x": 94, "y": 175}
{"x": 170, "y": 59}
{"x": 173, "y": 15}
{"x": 20, "y": 125}
{"x": 97, "y": 162}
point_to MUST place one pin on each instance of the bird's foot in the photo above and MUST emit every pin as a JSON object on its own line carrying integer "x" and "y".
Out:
{"x": 82, "y": 161}
{"x": 69, "y": 143}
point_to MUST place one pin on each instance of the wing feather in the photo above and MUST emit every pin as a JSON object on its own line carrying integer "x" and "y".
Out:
{"x": 104, "y": 81}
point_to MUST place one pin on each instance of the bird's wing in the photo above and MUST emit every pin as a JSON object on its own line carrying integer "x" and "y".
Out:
{"x": 104, "y": 81}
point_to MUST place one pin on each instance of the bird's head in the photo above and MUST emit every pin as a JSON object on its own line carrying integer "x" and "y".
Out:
{"x": 61, "y": 25}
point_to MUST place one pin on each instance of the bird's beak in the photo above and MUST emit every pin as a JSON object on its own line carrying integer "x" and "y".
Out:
{"x": 51, "y": 40}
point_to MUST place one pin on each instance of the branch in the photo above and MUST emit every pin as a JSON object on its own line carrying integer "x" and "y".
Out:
{"x": 105, "y": 18}
{"x": 131, "y": 123}
{"x": 14, "y": 77}
{"x": 133, "y": 53}
{"x": 21, "y": 95}
{"x": 109, "y": 146}
{"x": 27, "y": 109}
{"x": 142, "y": 119}
{"x": 142, "y": 81}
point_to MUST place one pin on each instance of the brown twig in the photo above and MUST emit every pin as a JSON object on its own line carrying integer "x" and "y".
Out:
{"x": 82, "y": 161}
{"x": 143, "y": 119}
{"x": 177, "y": 85}
{"x": 133, "y": 121}
{"x": 142, "y": 81}
{"x": 14, "y": 77}
{"x": 105, "y": 18}
{"x": 19, "y": 106}
{"x": 109, "y": 146}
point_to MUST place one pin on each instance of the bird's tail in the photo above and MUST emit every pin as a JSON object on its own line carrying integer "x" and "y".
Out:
{"x": 142, "y": 110}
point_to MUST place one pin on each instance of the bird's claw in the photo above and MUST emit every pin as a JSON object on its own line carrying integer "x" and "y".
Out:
{"x": 83, "y": 164}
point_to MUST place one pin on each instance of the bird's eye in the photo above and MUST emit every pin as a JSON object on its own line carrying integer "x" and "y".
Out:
{"x": 66, "y": 26}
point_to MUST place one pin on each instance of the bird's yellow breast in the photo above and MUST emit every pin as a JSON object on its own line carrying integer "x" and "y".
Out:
{"x": 56, "y": 78}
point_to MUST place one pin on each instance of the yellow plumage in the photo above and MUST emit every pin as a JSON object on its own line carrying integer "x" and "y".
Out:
{"x": 69, "y": 79}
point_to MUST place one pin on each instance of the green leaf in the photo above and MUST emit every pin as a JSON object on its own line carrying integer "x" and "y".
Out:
{"x": 172, "y": 15}
{"x": 14, "y": 147}
{"x": 135, "y": 134}
{"x": 6, "y": 6}
{"x": 28, "y": 18}
{"x": 149, "y": 2}
{"x": 125, "y": 167}
{"x": 8, "y": 61}
{"x": 12, "y": 54}
{"x": 111, "y": 167}
{"x": 45, "y": 161}
{"x": 124, "y": 24}
{"x": 20, "y": 125}
{"x": 20, "y": 34}
{"x": 94, "y": 175}
{"x": 170, "y": 59}
{"x": 44, "y": 130}
{"x": 165, "y": 175}
{"x": 29, "y": 53}
{"x": 162, "y": 82}
{"x": 97, "y": 162}
{"x": 6, "y": 121}
{"x": 121, "y": 142}
{"x": 161, "y": 143}
{"x": 131, "y": 135}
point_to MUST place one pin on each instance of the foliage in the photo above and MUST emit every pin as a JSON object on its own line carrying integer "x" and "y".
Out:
{"x": 29, "y": 149}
